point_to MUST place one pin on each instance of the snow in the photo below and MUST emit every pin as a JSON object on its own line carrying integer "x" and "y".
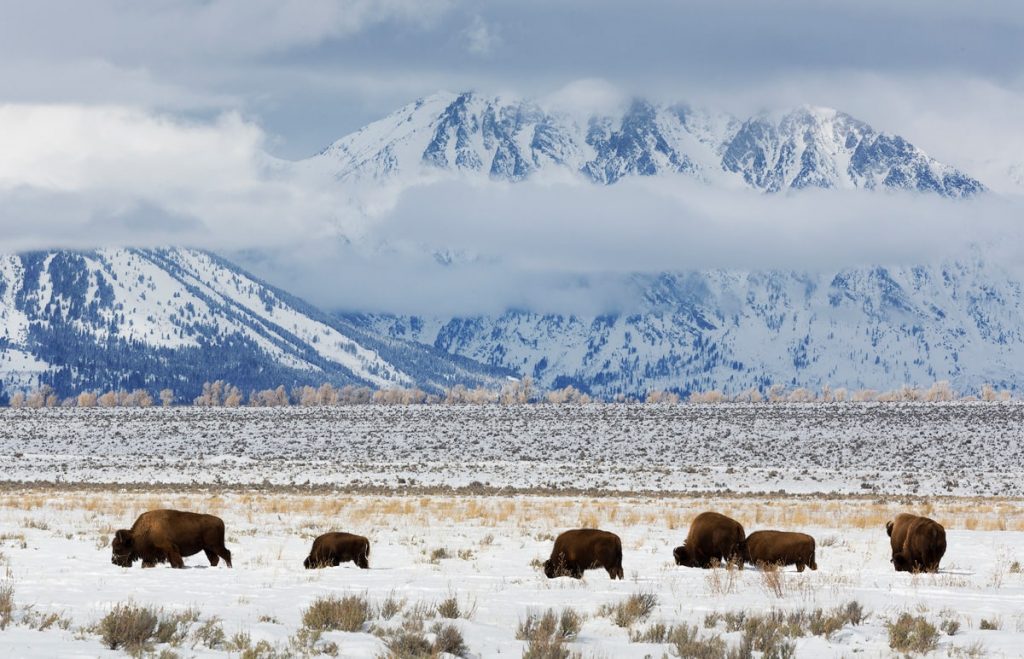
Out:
{"x": 860, "y": 328}
{"x": 854, "y": 448}
{"x": 769, "y": 156}
{"x": 158, "y": 298}
{"x": 56, "y": 557}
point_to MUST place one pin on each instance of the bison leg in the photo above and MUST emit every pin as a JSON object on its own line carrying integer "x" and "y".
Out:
{"x": 174, "y": 558}
{"x": 148, "y": 563}
{"x": 211, "y": 556}
{"x": 615, "y": 572}
{"x": 799, "y": 567}
{"x": 225, "y": 554}
{"x": 362, "y": 562}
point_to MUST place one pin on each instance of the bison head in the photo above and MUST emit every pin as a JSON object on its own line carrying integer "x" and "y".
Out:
{"x": 888, "y": 528}
{"x": 901, "y": 562}
{"x": 308, "y": 563}
{"x": 682, "y": 556}
{"x": 123, "y": 548}
{"x": 549, "y": 569}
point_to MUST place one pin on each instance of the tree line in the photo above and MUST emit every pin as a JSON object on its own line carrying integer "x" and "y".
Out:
{"x": 518, "y": 392}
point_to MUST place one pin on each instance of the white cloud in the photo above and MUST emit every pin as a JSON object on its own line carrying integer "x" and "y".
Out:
{"x": 481, "y": 38}
{"x": 87, "y": 176}
{"x": 572, "y": 247}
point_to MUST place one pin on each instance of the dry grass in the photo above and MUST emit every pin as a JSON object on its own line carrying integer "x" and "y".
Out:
{"x": 533, "y": 511}
{"x": 635, "y": 608}
{"x": 347, "y": 614}
{"x": 6, "y": 605}
{"x": 129, "y": 627}
{"x": 912, "y": 634}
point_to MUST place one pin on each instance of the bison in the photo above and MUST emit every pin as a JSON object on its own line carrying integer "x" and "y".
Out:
{"x": 918, "y": 543}
{"x": 780, "y": 548}
{"x": 585, "y": 549}
{"x": 333, "y": 549}
{"x": 168, "y": 535}
{"x": 713, "y": 538}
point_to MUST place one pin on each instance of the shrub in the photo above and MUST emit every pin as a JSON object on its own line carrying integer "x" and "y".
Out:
{"x": 656, "y": 633}
{"x": 912, "y": 634}
{"x": 636, "y": 607}
{"x": 565, "y": 625}
{"x": 6, "y": 605}
{"x": 391, "y": 607}
{"x": 990, "y": 625}
{"x": 772, "y": 580}
{"x": 210, "y": 633}
{"x": 174, "y": 628}
{"x": 347, "y": 614}
{"x": 409, "y": 644}
{"x": 950, "y": 626}
{"x": 448, "y": 638}
{"x": 439, "y": 554}
{"x": 687, "y": 643}
{"x": 449, "y": 608}
{"x": 128, "y": 626}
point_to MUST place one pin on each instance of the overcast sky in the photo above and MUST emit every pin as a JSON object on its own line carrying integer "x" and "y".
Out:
{"x": 151, "y": 119}
{"x": 310, "y": 71}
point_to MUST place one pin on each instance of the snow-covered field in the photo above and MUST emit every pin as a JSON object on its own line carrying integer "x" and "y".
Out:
{"x": 482, "y": 551}
{"x": 279, "y": 477}
{"x": 972, "y": 449}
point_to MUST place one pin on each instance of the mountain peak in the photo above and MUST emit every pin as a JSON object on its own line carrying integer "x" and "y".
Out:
{"x": 512, "y": 139}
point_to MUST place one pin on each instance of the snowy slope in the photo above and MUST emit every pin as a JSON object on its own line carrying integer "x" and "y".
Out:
{"x": 512, "y": 139}
{"x": 176, "y": 317}
{"x": 876, "y": 328}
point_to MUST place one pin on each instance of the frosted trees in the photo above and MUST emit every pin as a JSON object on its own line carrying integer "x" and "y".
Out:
{"x": 662, "y": 397}
{"x": 86, "y": 399}
{"x": 166, "y": 397}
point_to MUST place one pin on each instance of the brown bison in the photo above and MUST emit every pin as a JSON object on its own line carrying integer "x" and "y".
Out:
{"x": 780, "y": 548}
{"x": 167, "y": 535}
{"x": 333, "y": 549}
{"x": 918, "y": 543}
{"x": 713, "y": 538}
{"x": 585, "y": 549}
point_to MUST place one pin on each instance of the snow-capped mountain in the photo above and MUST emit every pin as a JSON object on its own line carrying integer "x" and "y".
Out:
{"x": 127, "y": 318}
{"x": 512, "y": 139}
{"x": 131, "y": 318}
{"x": 865, "y": 328}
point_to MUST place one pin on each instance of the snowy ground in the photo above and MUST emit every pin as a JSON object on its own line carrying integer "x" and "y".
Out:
{"x": 71, "y": 477}
{"x": 56, "y": 557}
{"x": 972, "y": 449}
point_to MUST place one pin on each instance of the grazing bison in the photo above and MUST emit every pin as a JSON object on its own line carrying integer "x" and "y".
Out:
{"x": 333, "y": 549}
{"x": 780, "y": 548}
{"x": 584, "y": 549}
{"x": 167, "y": 535}
{"x": 713, "y": 538}
{"x": 918, "y": 543}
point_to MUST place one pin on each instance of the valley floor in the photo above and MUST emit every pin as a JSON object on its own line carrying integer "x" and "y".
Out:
{"x": 962, "y": 448}
{"x": 462, "y": 505}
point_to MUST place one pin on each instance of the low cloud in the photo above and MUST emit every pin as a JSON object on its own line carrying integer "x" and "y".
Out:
{"x": 459, "y": 247}
{"x": 84, "y": 177}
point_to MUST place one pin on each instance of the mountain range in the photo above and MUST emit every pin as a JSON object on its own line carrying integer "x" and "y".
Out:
{"x": 150, "y": 318}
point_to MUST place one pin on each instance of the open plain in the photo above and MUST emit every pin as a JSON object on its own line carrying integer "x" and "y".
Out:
{"x": 462, "y": 504}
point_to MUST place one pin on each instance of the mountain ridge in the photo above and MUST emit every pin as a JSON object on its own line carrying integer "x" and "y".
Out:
{"x": 512, "y": 139}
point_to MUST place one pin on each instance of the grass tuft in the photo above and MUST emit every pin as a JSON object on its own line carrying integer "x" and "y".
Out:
{"x": 910, "y": 633}
{"x": 347, "y": 614}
